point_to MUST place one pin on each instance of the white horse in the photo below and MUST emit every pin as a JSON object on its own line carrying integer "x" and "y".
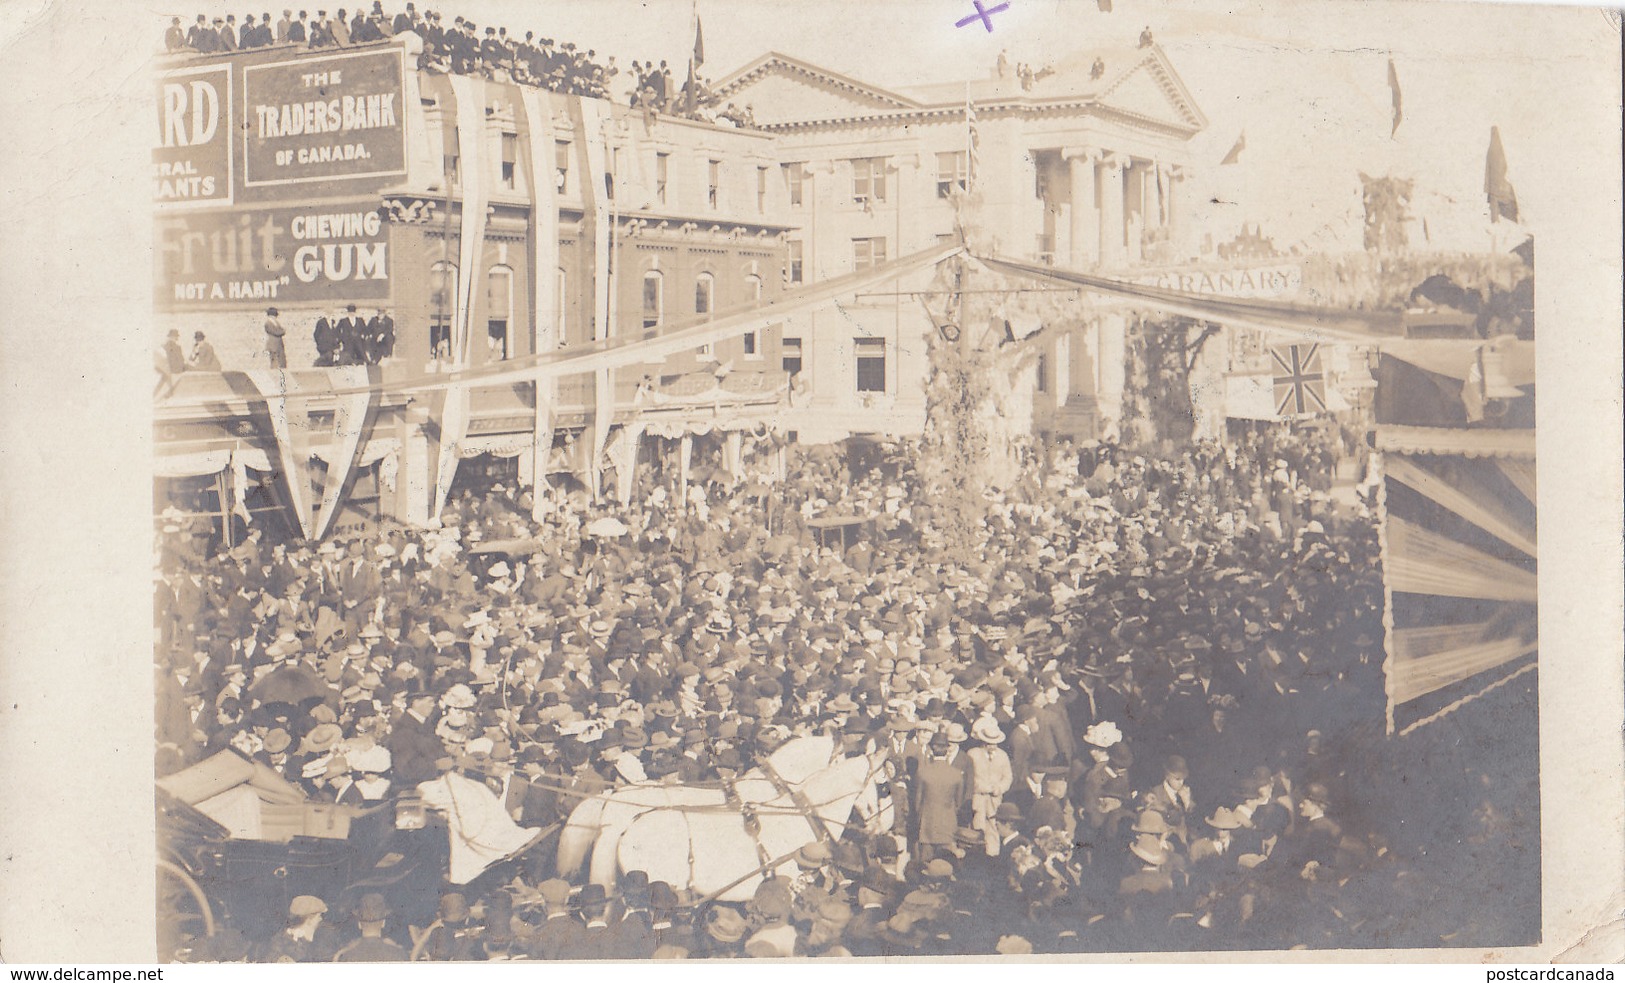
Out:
{"x": 696, "y": 838}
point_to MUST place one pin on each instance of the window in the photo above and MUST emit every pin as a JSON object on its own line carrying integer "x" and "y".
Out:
{"x": 868, "y": 252}
{"x": 704, "y": 294}
{"x": 1041, "y": 380}
{"x": 753, "y": 290}
{"x": 951, "y": 170}
{"x": 564, "y": 308}
{"x": 498, "y": 313}
{"x": 794, "y": 174}
{"x": 609, "y": 175}
{"x": 793, "y": 252}
{"x": 654, "y": 300}
{"x": 561, "y": 163}
{"x": 791, "y": 348}
{"x": 869, "y": 179}
{"x": 704, "y": 291}
{"x": 510, "y": 154}
{"x": 871, "y": 359}
{"x": 449, "y": 161}
{"x": 715, "y": 183}
{"x": 442, "y": 308}
{"x": 662, "y": 173}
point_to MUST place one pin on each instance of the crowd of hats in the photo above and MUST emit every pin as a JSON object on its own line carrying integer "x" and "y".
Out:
{"x": 1122, "y": 601}
{"x": 459, "y": 46}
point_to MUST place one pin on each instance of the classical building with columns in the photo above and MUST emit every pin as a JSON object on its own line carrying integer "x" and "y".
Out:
{"x": 1082, "y": 168}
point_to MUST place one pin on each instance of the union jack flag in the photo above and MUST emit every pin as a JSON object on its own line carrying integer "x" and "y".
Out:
{"x": 1300, "y": 382}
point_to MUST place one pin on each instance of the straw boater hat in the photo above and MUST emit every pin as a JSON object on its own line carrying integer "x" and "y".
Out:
{"x": 1150, "y": 849}
{"x": 986, "y": 730}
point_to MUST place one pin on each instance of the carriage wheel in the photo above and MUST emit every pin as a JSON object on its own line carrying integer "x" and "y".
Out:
{"x": 184, "y": 914}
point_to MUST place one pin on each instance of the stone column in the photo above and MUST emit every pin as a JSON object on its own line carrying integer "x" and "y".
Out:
{"x": 1136, "y": 177}
{"x": 1112, "y": 349}
{"x": 1085, "y": 220}
{"x": 1061, "y": 377}
{"x": 685, "y": 456}
{"x": 1112, "y": 237}
{"x": 1176, "y": 213}
{"x": 414, "y": 478}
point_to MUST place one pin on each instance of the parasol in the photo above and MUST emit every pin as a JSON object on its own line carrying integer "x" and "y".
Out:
{"x": 291, "y": 684}
{"x": 608, "y": 527}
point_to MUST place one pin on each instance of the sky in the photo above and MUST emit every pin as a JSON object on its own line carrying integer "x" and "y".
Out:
{"x": 1306, "y": 80}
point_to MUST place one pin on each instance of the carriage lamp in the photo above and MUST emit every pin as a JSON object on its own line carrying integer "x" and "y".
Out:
{"x": 410, "y": 812}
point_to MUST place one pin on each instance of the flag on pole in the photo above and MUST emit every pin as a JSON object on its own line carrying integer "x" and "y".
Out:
{"x": 1105, "y": 6}
{"x": 691, "y": 89}
{"x": 1235, "y": 152}
{"x": 1503, "y": 200}
{"x": 1399, "y": 112}
{"x": 1300, "y": 383}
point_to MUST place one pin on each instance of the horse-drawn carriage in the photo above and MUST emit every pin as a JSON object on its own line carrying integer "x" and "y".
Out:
{"x": 237, "y": 843}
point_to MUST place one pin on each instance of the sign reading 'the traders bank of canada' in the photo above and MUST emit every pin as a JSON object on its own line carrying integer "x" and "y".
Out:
{"x": 250, "y": 257}
{"x": 191, "y": 163}
{"x": 323, "y": 119}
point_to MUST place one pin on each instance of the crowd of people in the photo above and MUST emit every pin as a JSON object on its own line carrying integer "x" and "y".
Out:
{"x": 1120, "y": 719}
{"x": 464, "y": 48}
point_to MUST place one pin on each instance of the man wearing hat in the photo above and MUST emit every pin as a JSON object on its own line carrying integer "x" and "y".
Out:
{"x": 326, "y": 332}
{"x": 561, "y": 933}
{"x": 593, "y": 941}
{"x": 371, "y": 947}
{"x": 990, "y": 778}
{"x": 1106, "y": 789}
{"x": 414, "y": 747}
{"x": 812, "y": 869}
{"x": 306, "y": 939}
{"x": 770, "y": 909}
{"x": 1172, "y": 798}
{"x": 938, "y": 794}
{"x": 725, "y": 929}
{"x": 450, "y": 937}
{"x": 631, "y": 924}
{"x": 865, "y": 934}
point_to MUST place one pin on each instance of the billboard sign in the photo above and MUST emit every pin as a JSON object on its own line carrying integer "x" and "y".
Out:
{"x": 191, "y": 162}
{"x": 251, "y": 257}
{"x": 324, "y": 119}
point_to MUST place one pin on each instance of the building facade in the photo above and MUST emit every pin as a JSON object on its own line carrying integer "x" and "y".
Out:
{"x": 499, "y": 223}
{"x": 1084, "y": 167}
{"x": 493, "y": 222}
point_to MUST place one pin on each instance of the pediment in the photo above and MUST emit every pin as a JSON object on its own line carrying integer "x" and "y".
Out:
{"x": 782, "y": 89}
{"x": 1151, "y": 92}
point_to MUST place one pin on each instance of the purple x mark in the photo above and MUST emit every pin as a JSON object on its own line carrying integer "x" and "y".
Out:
{"x": 985, "y": 15}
